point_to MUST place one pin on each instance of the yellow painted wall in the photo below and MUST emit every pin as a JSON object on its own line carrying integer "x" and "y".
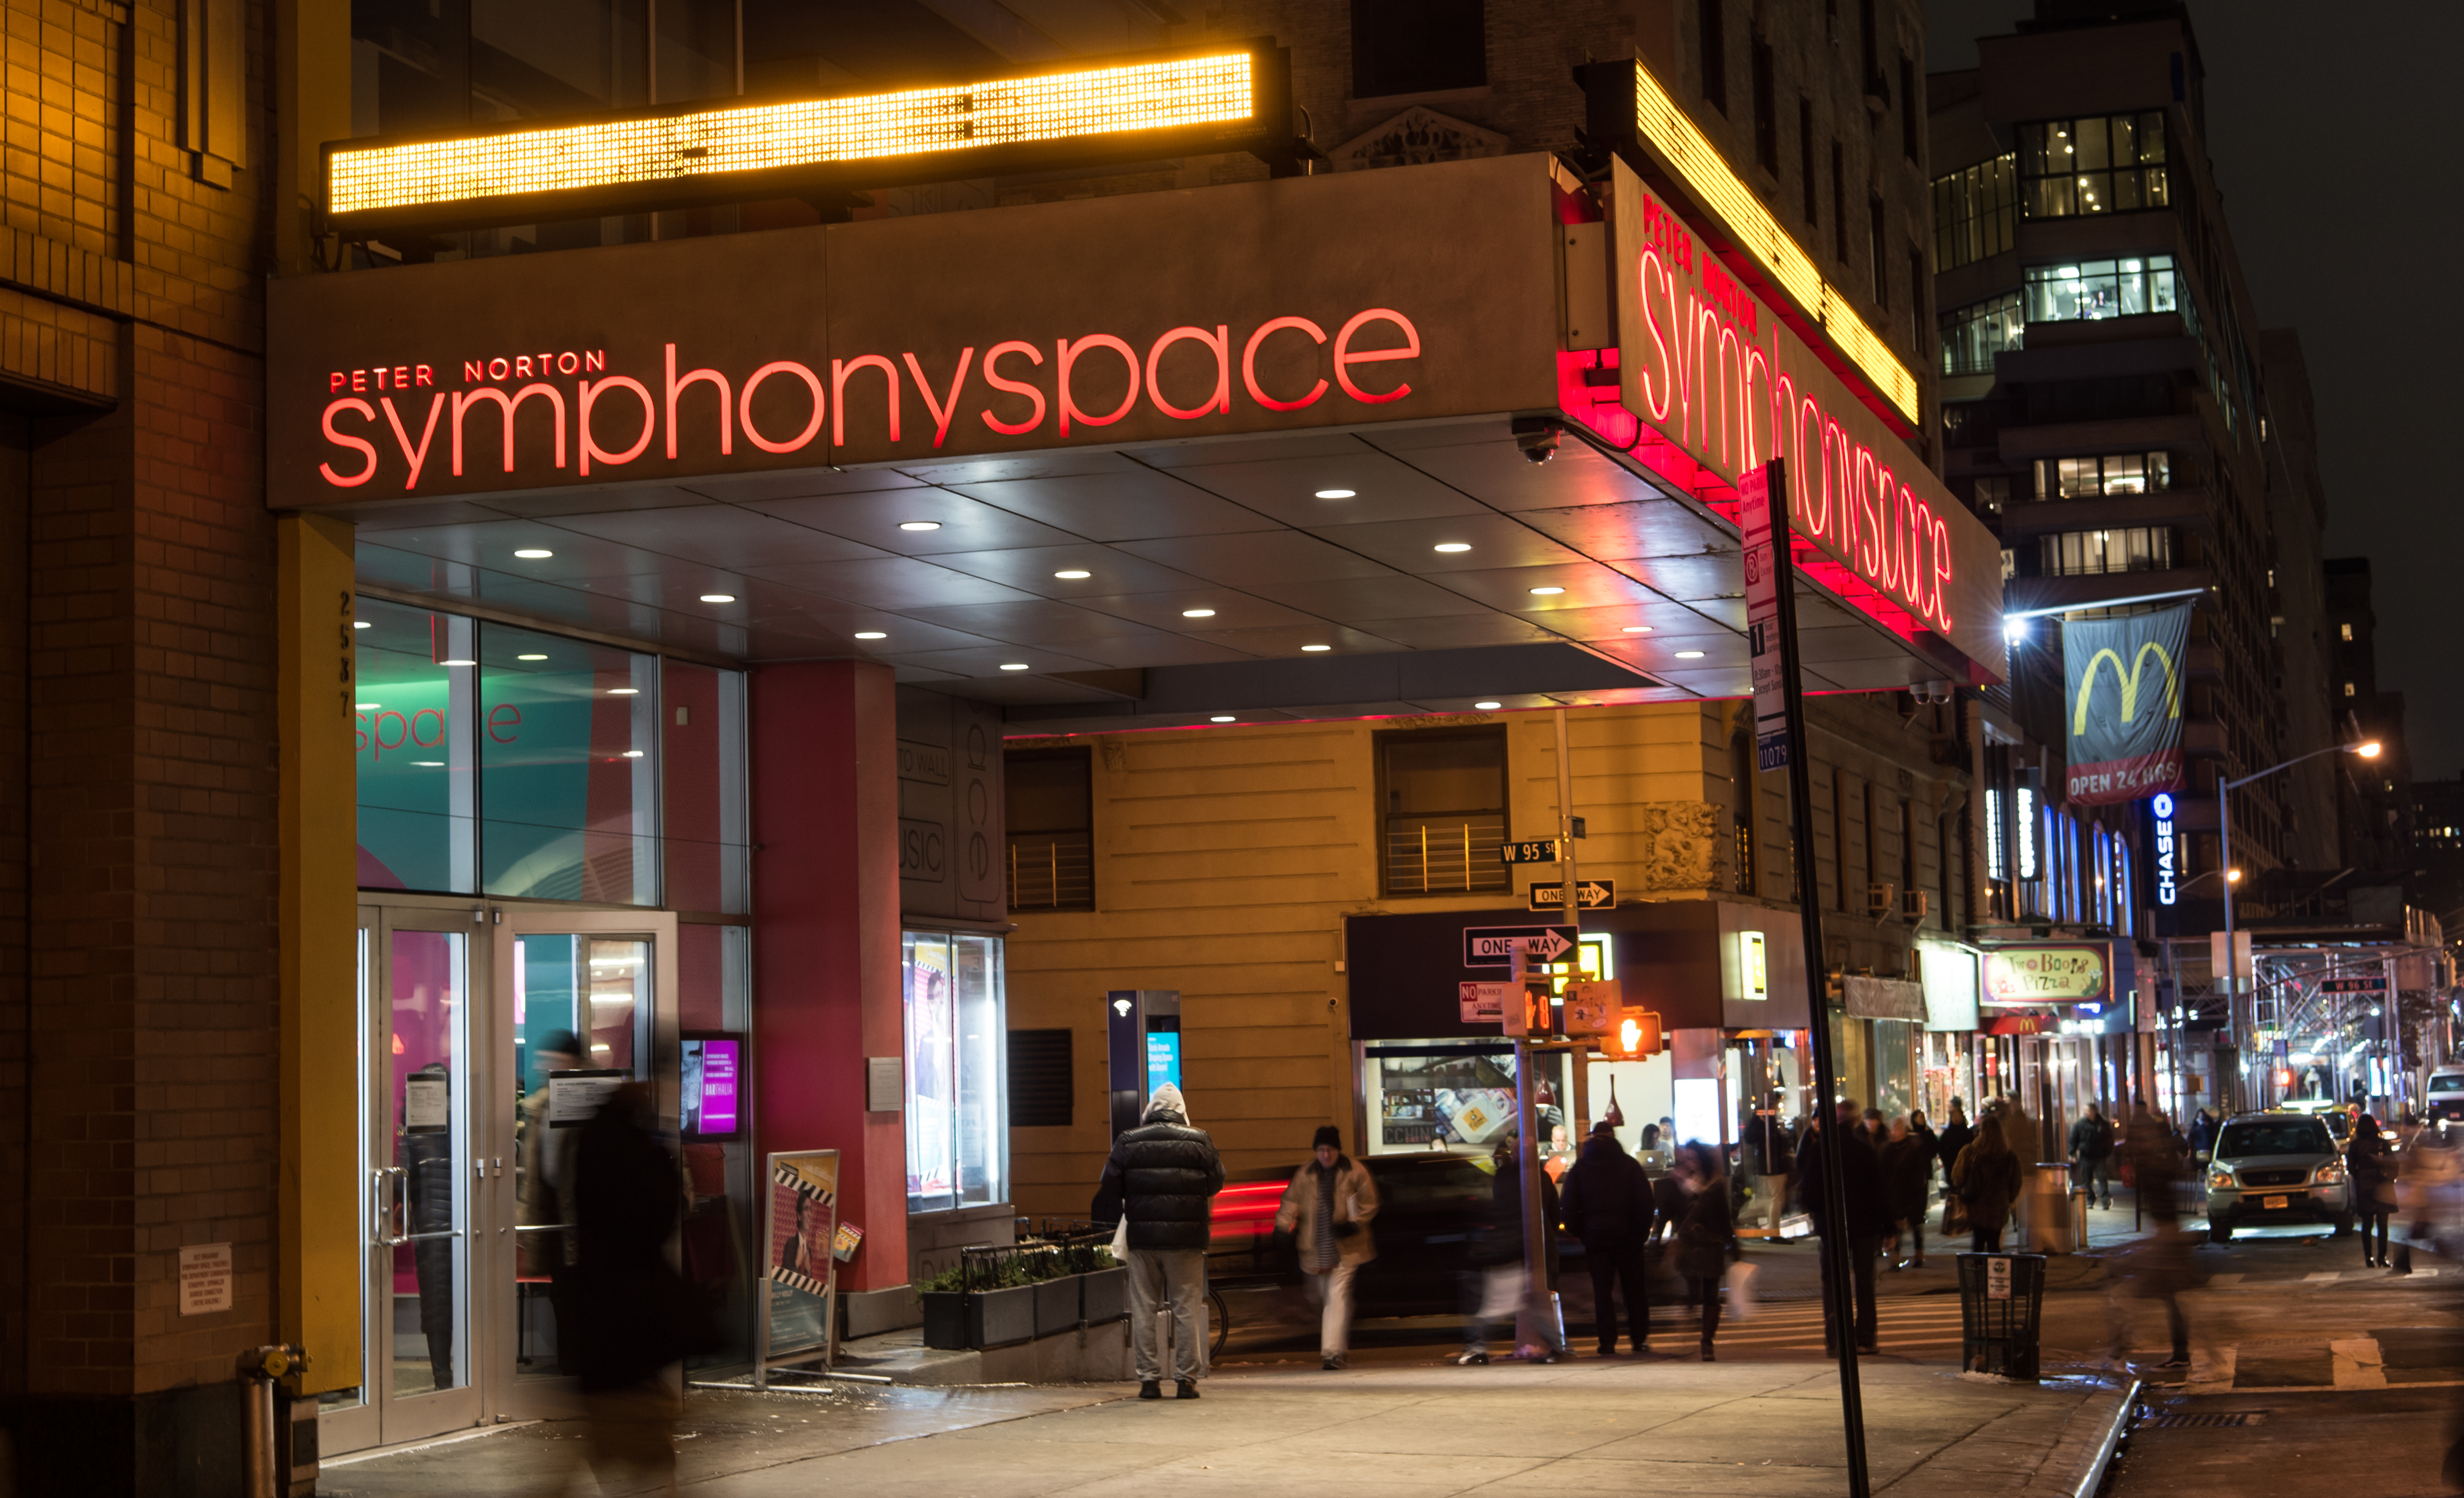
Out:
{"x": 319, "y": 1264}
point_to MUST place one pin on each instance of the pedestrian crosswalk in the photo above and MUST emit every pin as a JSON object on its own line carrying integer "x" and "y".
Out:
{"x": 2238, "y": 1280}
{"x": 1907, "y": 1324}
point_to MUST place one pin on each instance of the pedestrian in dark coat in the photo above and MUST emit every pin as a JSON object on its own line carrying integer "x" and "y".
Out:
{"x": 1608, "y": 1204}
{"x": 1707, "y": 1234}
{"x": 1861, "y": 1188}
{"x": 2371, "y": 1170}
{"x": 1987, "y": 1178}
{"x": 1162, "y": 1177}
{"x": 1956, "y": 1138}
{"x": 1500, "y": 1284}
{"x": 1907, "y": 1180}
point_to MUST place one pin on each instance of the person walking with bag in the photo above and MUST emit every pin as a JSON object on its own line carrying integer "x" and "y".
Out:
{"x": 1607, "y": 1204}
{"x": 2371, "y": 1168}
{"x": 1160, "y": 1181}
{"x": 1327, "y": 1209}
{"x": 1707, "y": 1234}
{"x": 1987, "y": 1178}
{"x": 1956, "y": 1135}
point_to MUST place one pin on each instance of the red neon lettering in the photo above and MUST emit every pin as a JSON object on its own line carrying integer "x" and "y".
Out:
{"x": 567, "y": 363}
{"x": 421, "y": 373}
{"x": 993, "y": 378}
{"x": 498, "y": 369}
{"x": 726, "y": 399}
{"x": 376, "y": 733}
{"x": 428, "y": 712}
{"x": 463, "y": 400}
{"x": 744, "y": 405}
{"x": 840, "y": 370}
{"x": 1344, "y": 358}
{"x": 1655, "y": 393}
{"x": 367, "y": 450}
{"x": 504, "y": 715}
{"x": 380, "y": 374}
{"x": 474, "y": 371}
{"x": 1067, "y": 359}
{"x": 416, "y": 457}
{"x": 1220, "y": 341}
{"x": 594, "y": 361}
{"x": 589, "y": 445}
{"x": 523, "y": 365}
{"x": 1249, "y": 363}
{"x": 946, "y": 407}
{"x": 1942, "y": 573}
{"x": 402, "y": 376}
{"x": 335, "y": 381}
{"x": 358, "y": 380}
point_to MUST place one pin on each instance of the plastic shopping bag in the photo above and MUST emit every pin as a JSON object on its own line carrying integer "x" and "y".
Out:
{"x": 1740, "y": 1285}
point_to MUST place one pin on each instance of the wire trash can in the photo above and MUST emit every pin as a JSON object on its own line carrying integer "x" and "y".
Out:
{"x": 2001, "y": 1304}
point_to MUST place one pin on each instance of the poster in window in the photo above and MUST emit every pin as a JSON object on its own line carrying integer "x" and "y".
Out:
{"x": 573, "y": 1098}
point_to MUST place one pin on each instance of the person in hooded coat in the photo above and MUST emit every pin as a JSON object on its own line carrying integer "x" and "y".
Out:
{"x": 1162, "y": 1179}
{"x": 1327, "y": 1209}
{"x": 1607, "y": 1202}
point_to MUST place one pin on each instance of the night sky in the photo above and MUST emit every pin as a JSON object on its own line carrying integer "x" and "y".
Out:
{"x": 2334, "y": 145}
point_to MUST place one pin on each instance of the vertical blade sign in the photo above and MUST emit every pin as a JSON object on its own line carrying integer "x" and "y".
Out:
{"x": 1763, "y": 576}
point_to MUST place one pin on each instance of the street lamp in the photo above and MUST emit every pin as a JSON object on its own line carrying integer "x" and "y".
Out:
{"x": 2368, "y": 749}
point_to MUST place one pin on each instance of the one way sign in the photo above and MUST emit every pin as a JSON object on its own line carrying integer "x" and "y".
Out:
{"x": 1494, "y": 946}
{"x": 1589, "y": 894}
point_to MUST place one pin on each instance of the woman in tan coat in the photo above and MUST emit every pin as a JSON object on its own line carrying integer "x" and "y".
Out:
{"x": 1327, "y": 1209}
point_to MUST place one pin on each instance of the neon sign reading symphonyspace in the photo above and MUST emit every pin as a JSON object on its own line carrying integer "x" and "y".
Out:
{"x": 1023, "y": 380}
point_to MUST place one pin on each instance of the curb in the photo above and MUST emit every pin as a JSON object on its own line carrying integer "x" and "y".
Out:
{"x": 2104, "y": 1449}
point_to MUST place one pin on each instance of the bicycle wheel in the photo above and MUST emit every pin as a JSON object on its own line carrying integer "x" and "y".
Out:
{"x": 1221, "y": 1318}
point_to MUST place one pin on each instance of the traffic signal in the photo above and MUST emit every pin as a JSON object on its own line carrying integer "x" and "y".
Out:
{"x": 1635, "y": 1034}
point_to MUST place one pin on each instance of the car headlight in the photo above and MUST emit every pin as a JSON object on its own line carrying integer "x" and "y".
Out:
{"x": 2331, "y": 1174}
{"x": 2220, "y": 1179}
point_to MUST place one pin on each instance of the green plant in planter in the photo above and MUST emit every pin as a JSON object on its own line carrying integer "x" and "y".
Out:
{"x": 1033, "y": 1264}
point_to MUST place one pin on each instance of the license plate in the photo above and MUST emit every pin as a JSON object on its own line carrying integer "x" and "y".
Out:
{"x": 2273, "y": 1204}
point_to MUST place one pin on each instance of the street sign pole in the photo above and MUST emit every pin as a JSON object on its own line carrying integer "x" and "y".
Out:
{"x": 1771, "y": 608}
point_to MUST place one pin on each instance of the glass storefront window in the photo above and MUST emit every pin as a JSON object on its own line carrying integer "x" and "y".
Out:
{"x": 701, "y": 726}
{"x": 412, "y": 708}
{"x": 568, "y": 778}
{"x": 957, "y": 1151}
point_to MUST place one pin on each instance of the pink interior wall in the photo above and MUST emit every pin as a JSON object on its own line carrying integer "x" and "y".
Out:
{"x": 825, "y": 995}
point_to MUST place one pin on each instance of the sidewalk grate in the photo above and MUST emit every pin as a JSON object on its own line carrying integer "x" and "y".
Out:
{"x": 2203, "y": 1422}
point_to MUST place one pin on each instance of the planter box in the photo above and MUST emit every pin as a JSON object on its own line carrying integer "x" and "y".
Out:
{"x": 1057, "y": 1304}
{"x": 945, "y": 1319}
{"x": 1105, "y": 1294}
{"x": 999, "y": 1317}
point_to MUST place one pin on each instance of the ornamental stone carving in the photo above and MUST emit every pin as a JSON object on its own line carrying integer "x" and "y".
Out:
{"x": 1682, "y": 846}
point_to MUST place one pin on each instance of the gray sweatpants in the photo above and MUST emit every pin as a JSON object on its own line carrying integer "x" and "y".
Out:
{"x": 1175, "y": 1280}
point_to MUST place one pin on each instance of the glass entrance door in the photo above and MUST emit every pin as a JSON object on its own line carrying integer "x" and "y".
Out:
{"x": 585, "y": 1005}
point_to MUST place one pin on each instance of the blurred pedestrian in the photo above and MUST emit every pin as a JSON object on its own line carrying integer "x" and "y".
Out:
{"x": 1160, "y": 1180}
{"x": 1327, "y": 1209}
{"x": 1608, "y": 1205}
{"x": 2425, "y": 1192}
{"x": 1861, "y": 1176}
{"x": 1956, "y": 1135}
{"x": 1706, "y": 1241}
{"x": 1907, "y": 1182}
{"x": 2203, "y": 1136}
{"x": 2161, "y": 1267}
{"x": 1667, "y": 1201}
{"x": 1774, "y": 1161}
{"x": 1987, "y": 1178}
{"x": 2370, "y": 1166}
{"x": 625, "y": 1316}
{"x": 2091, "y": 1153}
{"x": 1505, "y": 1291}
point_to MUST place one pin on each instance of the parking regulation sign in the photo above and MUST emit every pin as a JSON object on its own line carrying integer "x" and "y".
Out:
{"x": 1764, "y": 578}
{"x": 1494, "y": 946}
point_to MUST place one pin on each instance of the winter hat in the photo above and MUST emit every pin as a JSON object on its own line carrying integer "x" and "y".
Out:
{"x": 1166, "y": 1100}
{"x": 1328, "y": 1136}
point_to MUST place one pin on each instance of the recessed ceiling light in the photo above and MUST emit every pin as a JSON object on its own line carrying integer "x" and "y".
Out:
{"x": 718, "y": 597}
{"x": 1074, "y": 573}
{"x": 624, "y": 691}
{"x": 429, "y": 764}
{"x": 1337, "y": 493}
{"x": 1014, "y": 665}
{"x": 1198, "y": 614}
{"x": 365, "y": 707}
{"x": 530, "y": 657}
{"x": 361, "y": 625}
{"x": 1452, "y": 546}
{"x": 1488, "y": 707}
{"x": 870, "y": 634}
{"x": 534, "y": 553}
{"x": 632, "y": 754}
{"x": 1223, "y": 717}
{"x": 919, "y": 525}
{"x": 1689, "y": 655}
{"x": 1546, "y": 593}
{"x": 457, "y": 662}
{"x": 1315, "y": 649}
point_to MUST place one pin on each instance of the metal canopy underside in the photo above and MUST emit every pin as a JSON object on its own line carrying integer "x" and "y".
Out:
{"x": 1233, "y": 525}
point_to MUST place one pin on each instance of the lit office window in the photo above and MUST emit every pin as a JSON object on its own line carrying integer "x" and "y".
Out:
{"x": 1973, "y": 334}
{"x": 2069, "y": 167}
{"x": 2077, "y": 553}
{"x": 2088, "y": 291}
{"x": 1975, "y": 212}
{"x": 2111, "y": 473}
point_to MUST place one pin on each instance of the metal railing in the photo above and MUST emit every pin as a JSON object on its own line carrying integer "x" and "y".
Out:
{"x": 1051, "y": 872}
{"x": 1440, "y": 855}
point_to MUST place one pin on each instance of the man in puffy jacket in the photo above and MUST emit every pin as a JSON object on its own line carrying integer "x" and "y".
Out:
{"x": 1607, "y": 1204}
{"x": 1161, "y": 1176}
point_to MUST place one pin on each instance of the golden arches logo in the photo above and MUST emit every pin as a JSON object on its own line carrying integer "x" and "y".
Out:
{"x": 2129, "y": 679}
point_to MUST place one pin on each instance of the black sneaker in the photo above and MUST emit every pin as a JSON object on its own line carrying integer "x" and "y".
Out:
{"x": 1188, "y": 1389}
{"x": 1334, "y": 1365}
{"x": 2174, "y": 1363}
{"x": 1150, "y": 1389}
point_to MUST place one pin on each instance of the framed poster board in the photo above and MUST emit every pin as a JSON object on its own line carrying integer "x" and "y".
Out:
{"x": 798, "y": 1322}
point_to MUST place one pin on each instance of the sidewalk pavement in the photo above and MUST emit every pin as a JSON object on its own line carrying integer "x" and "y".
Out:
{"x": 1562, "y": 1431}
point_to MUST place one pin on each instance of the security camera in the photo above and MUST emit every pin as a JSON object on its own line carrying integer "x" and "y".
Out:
{"x": 1537, "y": 438}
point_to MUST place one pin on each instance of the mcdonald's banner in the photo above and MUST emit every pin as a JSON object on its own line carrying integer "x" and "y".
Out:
{"x": 2122, "y": 684}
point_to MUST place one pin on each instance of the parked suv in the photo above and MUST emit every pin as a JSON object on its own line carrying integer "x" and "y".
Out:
{"x": 2273, "y": 1168}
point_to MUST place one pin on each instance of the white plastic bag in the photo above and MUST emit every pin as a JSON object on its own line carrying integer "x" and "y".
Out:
{"x": 1740, "y": 1285}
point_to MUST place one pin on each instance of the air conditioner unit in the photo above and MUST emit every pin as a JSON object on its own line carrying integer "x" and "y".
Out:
{"x": 1913, "y": 908}
{"x": 1878, "y": 899}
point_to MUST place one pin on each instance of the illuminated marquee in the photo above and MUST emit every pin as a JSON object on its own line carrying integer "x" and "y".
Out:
{"x": 915, "y": 135}
{"x": 1662, "y": 125}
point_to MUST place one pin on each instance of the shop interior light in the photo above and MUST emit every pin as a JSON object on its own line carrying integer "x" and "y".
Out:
{"x": 534, "y": 657}
{"x": 365, "y": 707}
{"x": 457, "y": 662}
{"x": 624, "y": 691}
{"x": 1670, "y": 131}
{"x": 632, "y": 754}
{"x": 361, "y": 625}
{"x": 911, "y": 135}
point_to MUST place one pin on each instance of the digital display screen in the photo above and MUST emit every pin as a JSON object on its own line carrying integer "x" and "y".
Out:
{"x": 713, "y": 1072}
{"x": 1163, "y": 1059}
